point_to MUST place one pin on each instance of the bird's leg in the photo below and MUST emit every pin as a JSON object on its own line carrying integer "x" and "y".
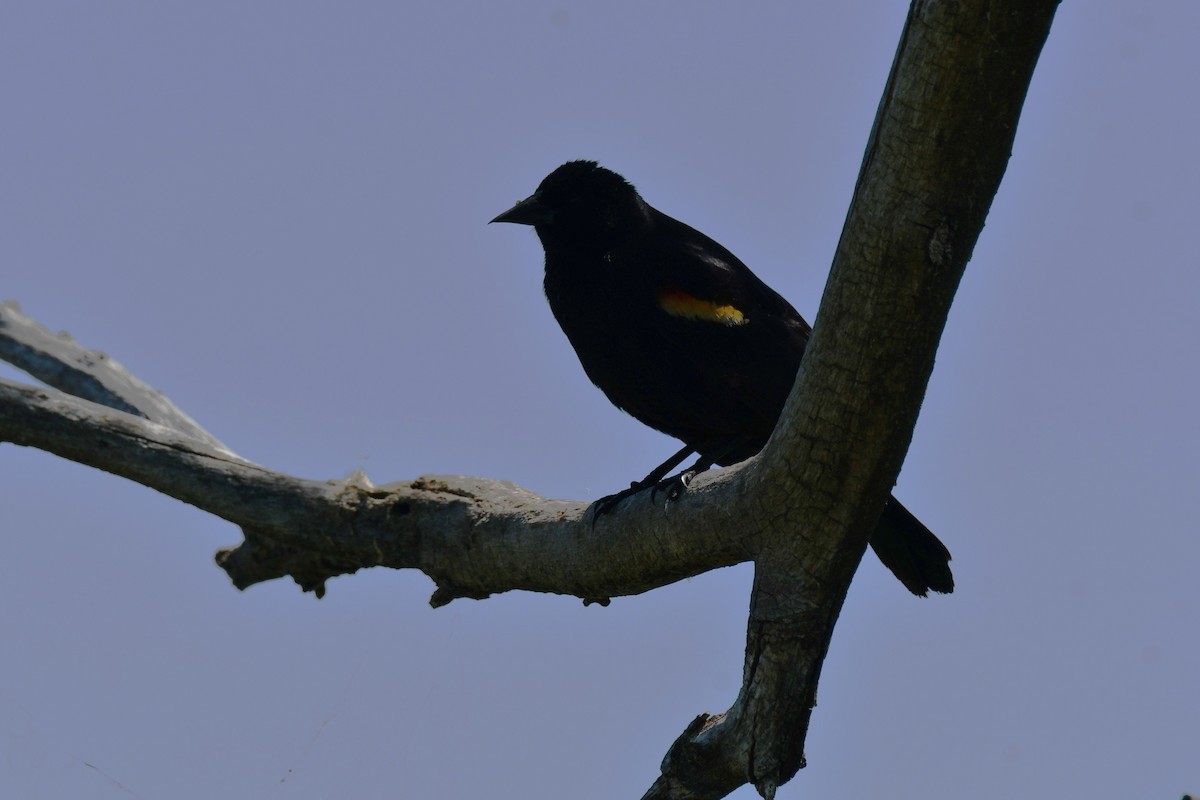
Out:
{"x": 606, "y": 504}
{"x": 676, "y": 485}
{"x": 658, "y": 473}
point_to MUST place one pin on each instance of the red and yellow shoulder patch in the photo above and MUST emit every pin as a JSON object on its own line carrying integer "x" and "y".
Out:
{"x": 682, "y": 304}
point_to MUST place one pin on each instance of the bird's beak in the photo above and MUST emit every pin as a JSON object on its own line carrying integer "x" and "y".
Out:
{"x": 530, "y": 211}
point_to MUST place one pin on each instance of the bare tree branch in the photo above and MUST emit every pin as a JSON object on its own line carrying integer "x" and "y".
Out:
{"x": 57, "y": 360}
{"x": 474, "y": 536}
{"x": 802, "y": 509}
{"x": 937, "y": 152}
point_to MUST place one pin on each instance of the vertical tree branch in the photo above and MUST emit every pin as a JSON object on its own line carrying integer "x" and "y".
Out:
{"x": 937, "y": 152}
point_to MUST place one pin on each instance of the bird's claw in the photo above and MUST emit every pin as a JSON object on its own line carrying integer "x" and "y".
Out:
{"x": 673, "y": 487}
{"x": 609, "y": 502}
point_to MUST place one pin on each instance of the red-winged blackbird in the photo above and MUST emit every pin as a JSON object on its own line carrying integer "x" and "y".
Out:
{"x": 678, "y": 332}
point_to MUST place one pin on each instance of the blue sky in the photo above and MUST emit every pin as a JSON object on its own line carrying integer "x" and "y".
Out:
{"x": 276, "y": 213}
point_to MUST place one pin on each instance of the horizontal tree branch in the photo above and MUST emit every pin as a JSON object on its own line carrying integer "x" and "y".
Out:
{"x": 473, "y": 536}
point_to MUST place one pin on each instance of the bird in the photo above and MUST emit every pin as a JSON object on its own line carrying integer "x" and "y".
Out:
{"x": 680, "y": 334}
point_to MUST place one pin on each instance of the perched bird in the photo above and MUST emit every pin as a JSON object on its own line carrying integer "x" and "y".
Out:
{"x": 679, "y": 333}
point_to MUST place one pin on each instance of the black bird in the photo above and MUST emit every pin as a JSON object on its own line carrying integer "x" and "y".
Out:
{"x": 679, "y": 333}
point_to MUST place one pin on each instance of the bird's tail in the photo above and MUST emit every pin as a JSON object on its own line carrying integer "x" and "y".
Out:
{"x": 911, "y": 551}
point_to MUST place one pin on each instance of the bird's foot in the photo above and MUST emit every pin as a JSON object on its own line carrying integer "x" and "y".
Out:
{"x": 673, "y": 487}
{"x": 609, "y": 502}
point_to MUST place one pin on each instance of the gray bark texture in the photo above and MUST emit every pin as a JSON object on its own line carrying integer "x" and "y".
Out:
{"x": 801, "y": 510}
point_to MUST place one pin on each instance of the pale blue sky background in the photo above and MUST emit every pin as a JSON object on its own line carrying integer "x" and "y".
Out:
{"x": 275, "y": 212}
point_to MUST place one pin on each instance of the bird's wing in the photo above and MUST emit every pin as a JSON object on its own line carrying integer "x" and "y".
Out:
{"x": 729, "y": 338}
{"x": 697, "y": 277}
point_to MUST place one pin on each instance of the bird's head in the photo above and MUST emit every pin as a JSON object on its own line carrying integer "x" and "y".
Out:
{"x": 582, "y": 206}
